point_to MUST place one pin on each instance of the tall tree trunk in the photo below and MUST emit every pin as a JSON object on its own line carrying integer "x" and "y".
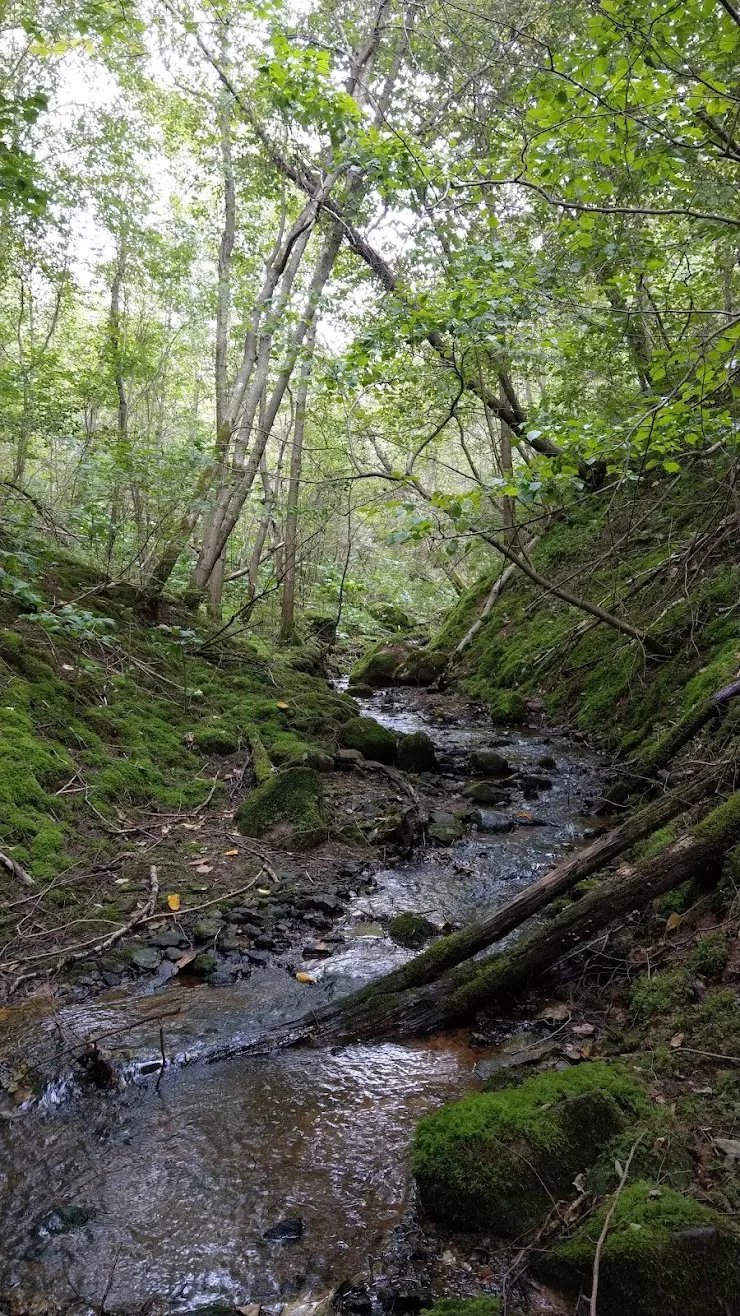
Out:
{"x": 294, "y": 486}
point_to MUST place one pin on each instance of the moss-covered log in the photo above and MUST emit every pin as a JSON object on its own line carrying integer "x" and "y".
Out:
{"x": 384, "y": 1011}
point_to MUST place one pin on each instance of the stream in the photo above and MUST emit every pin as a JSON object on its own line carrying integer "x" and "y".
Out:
{"x": 169, "y": 1188}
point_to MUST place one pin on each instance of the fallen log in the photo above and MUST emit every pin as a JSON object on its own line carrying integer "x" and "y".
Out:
{"x": 457, "y": 995}
{"x": 447, "y": 952}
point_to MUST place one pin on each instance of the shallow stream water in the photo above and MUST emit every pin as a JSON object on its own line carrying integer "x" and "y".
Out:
{"x": 169, "y": 1190}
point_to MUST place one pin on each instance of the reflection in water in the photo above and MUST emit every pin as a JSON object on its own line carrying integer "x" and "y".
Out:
{"x": 181, "y": 1184}
{"x": 184, "y": 1183}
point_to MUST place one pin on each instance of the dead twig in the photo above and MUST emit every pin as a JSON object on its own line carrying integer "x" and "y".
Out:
{"x": 607, "y": 1223}
{"x": 14, "y": 867}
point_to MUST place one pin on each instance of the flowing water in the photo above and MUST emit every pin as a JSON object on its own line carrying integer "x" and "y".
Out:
{"x": 170, "y": 1189}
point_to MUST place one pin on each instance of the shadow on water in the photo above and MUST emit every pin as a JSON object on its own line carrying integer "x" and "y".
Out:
{"x": 170, "y": 1190}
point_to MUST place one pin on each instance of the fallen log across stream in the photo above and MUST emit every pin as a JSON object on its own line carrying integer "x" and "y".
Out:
{"x": 391, "y": 1007}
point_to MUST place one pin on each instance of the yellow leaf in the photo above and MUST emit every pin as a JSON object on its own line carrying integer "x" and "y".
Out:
{"x": 173, "y": 900}
{"x": 280, "y": 703}
{"x": 672, "y": 922}
{"x": 231, "y": 852}
{"x": 264, "y": 891}
{"x": 304, "y": 977}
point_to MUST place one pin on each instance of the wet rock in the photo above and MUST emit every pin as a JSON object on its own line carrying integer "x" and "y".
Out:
{"x": 379, "y": 664}
{"x": 146, "y": 957}
{"x": 66, "y": 1219}
{"x": 170, "y": 937}
{"x": 264, "y": 942}
{"x": 516, "y": 1054}
{"x": 316, "y": 950}
{"x": 487, "y": 792}
{"x": 422, "y": 667}
{"x": 360, "y": 690}
{"x": 535, "y": 782}
{"x": 416, "y": 753}
{"x": 547, "y": 761}
{"x": 174, "y": 953}
{"x": 325, "y": 903}
{"x": 348, "y": 758}
{"x": 111, "y": 979}
{"x": 285, "y": 1231}
{"x": 445, "y": 828}
{"x": 488, "y": 821}
{"x": 258, "y": 956}
{"x": 354, "y": 1299}
{"x": 366, "y": 930}
{"x": 316, "y": 758}
{"x": 203, "y": 964}
{"x": 411, "y": 930}
{"x": 487, "y": 762}
{"x": 208, "y": 929}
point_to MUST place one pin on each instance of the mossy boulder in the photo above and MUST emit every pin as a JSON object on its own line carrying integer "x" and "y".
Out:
{"x": 416, "y": 752}
{"x": 487, "y": 792}
{"x": 391, "y": 616}
{"x": 664, "y": 1253}
{"x": 489, "y": 763}
{"x": 370, "y": 738}
{"x": 290, "y": 806}
{"x": 411, "y": 930}
{"x": 211, "y": 739}
{"x": 422, "y": 667}
{"x": 507, "y": 707}
{"x": 377, "y": 667}
{"x": 496, "y": 1160}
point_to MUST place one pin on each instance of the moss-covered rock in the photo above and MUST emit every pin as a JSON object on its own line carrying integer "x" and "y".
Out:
{"x": 664, "y": 1253}
{"x": 507, "y": 707}
{"x": 214, "y": 739}
{"x": 495, "y": 1160}
{"x": 290, "y": 806}
{"x": 411, "y": 930}
{"x": 378, "y": 666}
{"x": 422, "y": 667}
{"x": 416, "y": 752}
{"x": 390, "y": 616}
{"x": 370, "y": 738}
{"x": 486, "y": 792}
{"x": 445, "y": 830}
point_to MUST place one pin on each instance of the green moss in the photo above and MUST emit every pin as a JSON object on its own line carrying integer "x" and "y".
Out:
{"x": 656, "y": 843}
{"x": 379, "y": 664}
{"x": 664, "y": 1252}
{"x": 721, "y": 824}
{"x": 416, "y": 752}
{"x": 373, "y": 740}
{"x": 710, "y": 955}
{"x": 495, "y": 1160}
{"x": 651, "y": 996}
{"x": 213, "y": 739}
{"x": 411, "y": 930}
{"x": 507, "y": 707}
{"x": 484, "y": 1305}
{"x": 292, "y": 799}
{"x": 261, "y": 764}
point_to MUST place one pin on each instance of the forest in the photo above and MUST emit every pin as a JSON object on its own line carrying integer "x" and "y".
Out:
{"x": 370, "y": 657}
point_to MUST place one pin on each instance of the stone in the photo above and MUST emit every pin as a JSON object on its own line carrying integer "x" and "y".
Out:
{"x": 348, "y": 758}
{"x": 488, "y": 821}
{"x": 316, "y": 758}
{"x": 487, "y": 762}
{"x": 422, "y": 667}
{"x": 290, "y": 804}
{"x": 170, "y": 937}
{"x": 535, "y": 782}
{"x": 146, "y": 957}
{"x": 360, "y": 690}
{"x": 285, "y": 1231}
{"x": 416, "y": 753}
{"x": 257, "y": 956}
{"x": 66, "y": 1219}
{"x": 547, "y": 761}
{"x": 324, "y": 902}
{"x": 316, "y": 950}
{"x": 378, "y": 666}
{"x": 366, "y": 930}
{"x": 497, "y": 1160}
{"x": 411, "y": 930}
{"x": 445, "y": 831}
{"x": 375, "y": 742}
{"x": 204, "y": 963}
{"x": 487, "y": 792}
{"x": 208, "y": 928}
{"x": 264, "y": 942}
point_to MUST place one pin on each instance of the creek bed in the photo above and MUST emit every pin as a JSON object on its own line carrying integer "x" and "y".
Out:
{"x": 169, "y": 1190}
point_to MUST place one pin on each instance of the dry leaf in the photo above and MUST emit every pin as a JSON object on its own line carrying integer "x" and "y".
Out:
{"x": 264, "y": 891}
{"x": 173, "y": 900}
{"x": 249, "y": 1309}
{"x": 187, "y": 958}
{"x": 677, "y": 1040}
{"x": 556, "y": 1011}
{"x": 304, "y": 977}
{"x": 573, "y": 1052}
{"x": 204, "y": 868}
{"x": 231, "y": 854}
{"x": 280, "y": 703}
{"x": 583, "y": 1030}
{"x": 672, "y": 922}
